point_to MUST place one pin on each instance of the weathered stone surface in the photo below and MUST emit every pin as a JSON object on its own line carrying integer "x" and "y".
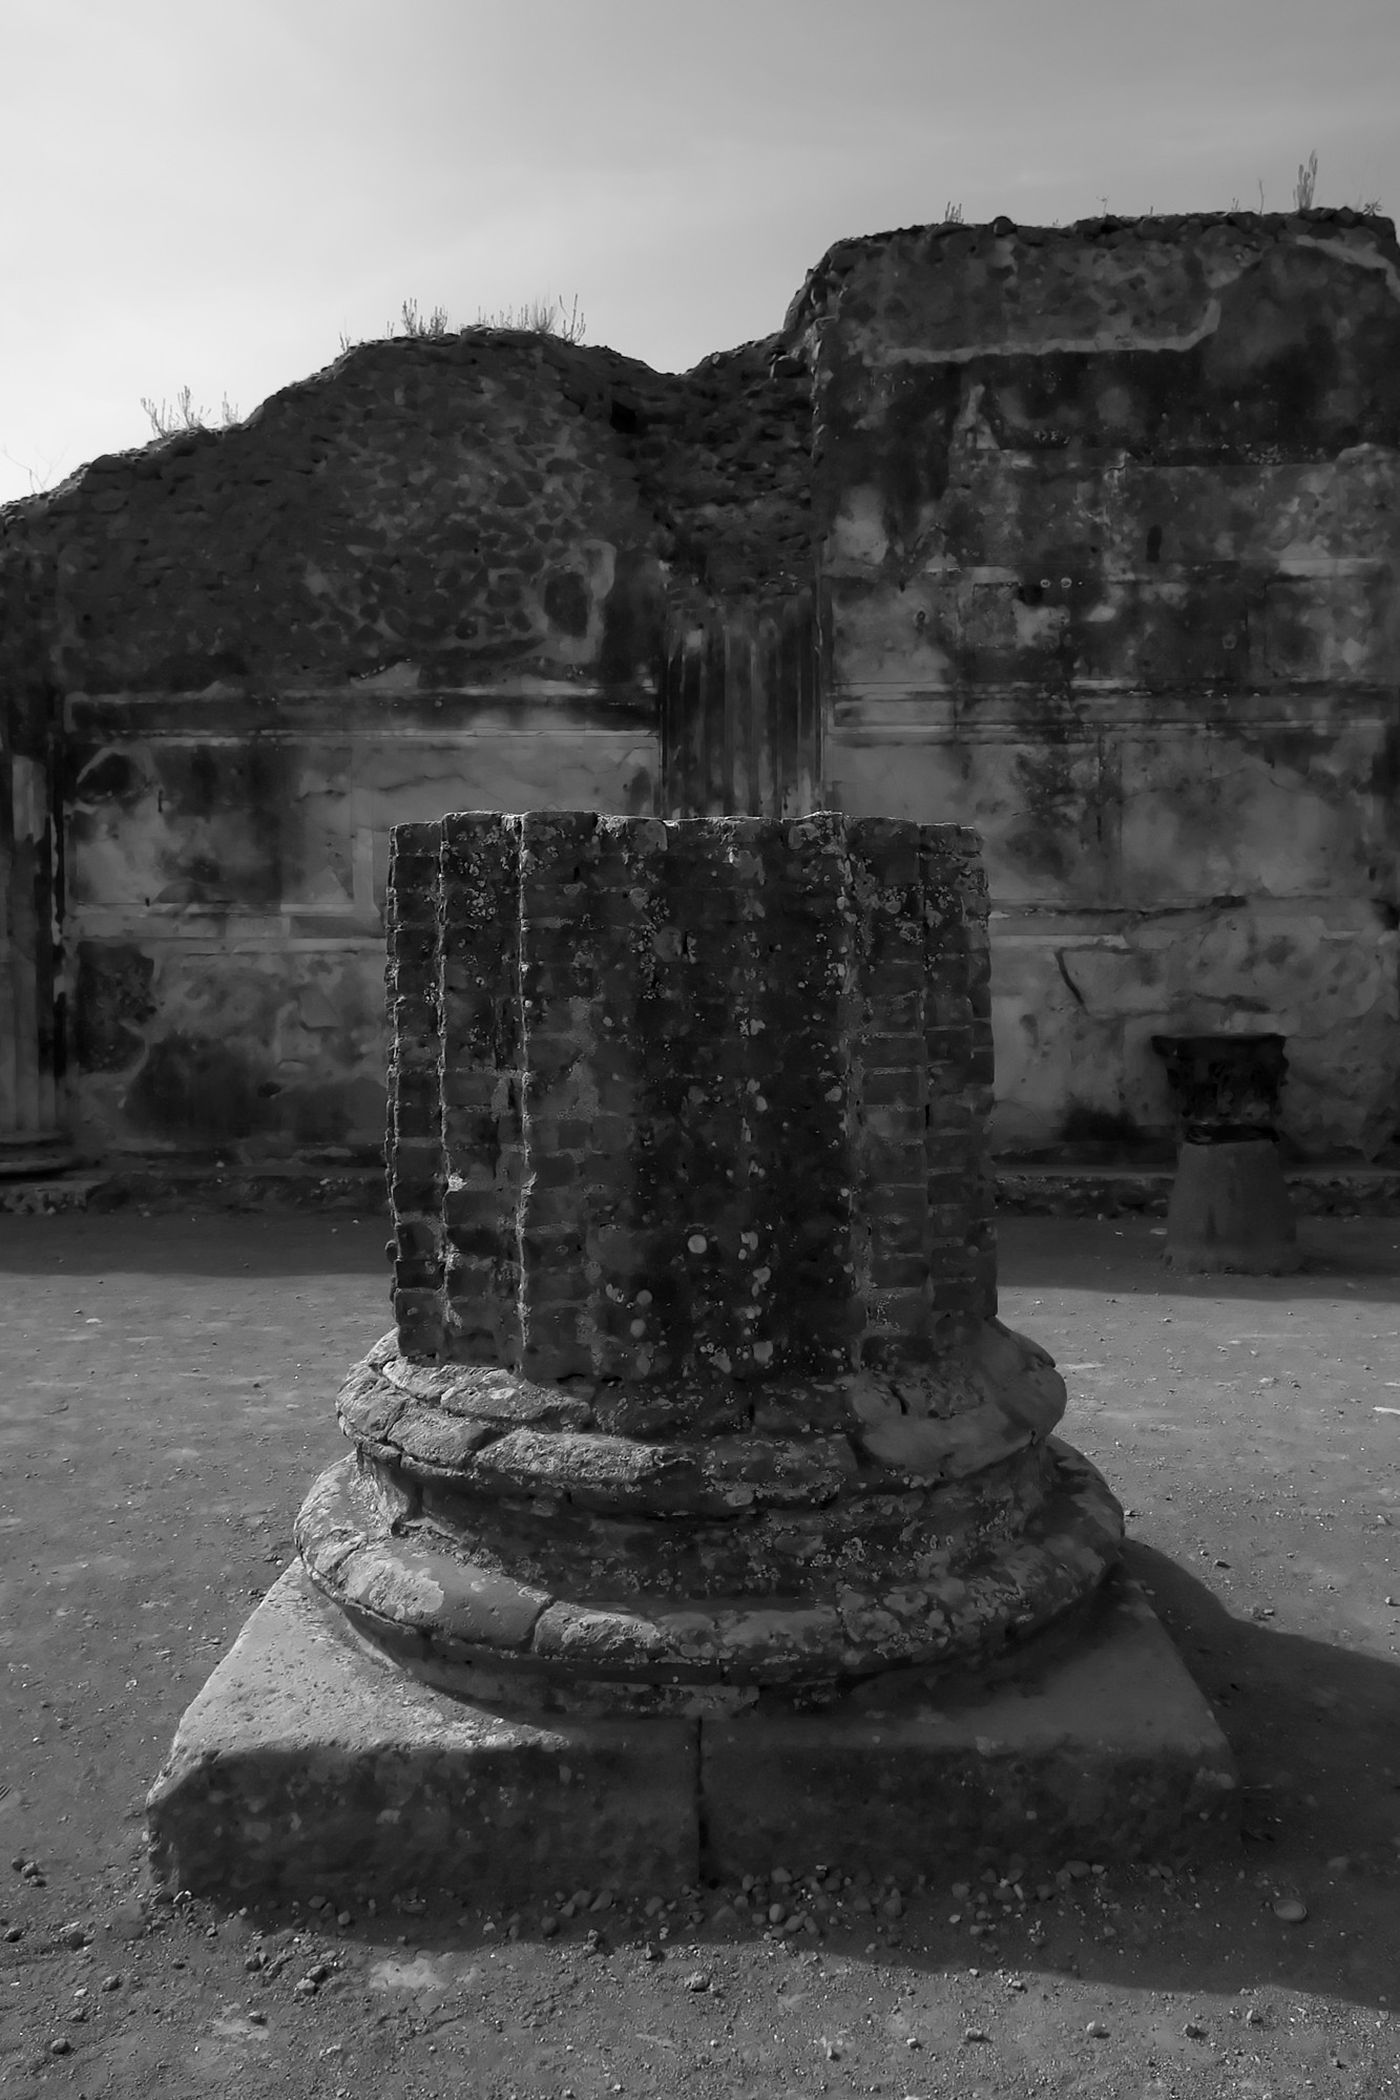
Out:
{"x": 697, "y": 1101}
{"x": 637, "y": 1629}
{"x": 308, "y": 1765}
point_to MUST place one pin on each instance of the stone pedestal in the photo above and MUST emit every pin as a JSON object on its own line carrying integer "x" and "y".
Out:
{"x": 310, "y": 1764}
{"x": 1229, "y": 1208}
{"x": 696, "y": 1415}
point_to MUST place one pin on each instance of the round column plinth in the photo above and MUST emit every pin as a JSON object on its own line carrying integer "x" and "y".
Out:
{"x": 544, "y": 1546}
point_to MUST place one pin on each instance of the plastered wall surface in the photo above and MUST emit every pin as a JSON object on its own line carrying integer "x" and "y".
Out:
{"x": 1083, "y": 537}
{"x": 1109, "y": 529}
{"x": 228, "y": 900}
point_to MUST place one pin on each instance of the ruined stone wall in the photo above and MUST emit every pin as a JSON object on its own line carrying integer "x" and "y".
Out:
{"x": 442, "y": 573}
{"x": 1110, "y": 518}
{"x": 1086, "y": 538}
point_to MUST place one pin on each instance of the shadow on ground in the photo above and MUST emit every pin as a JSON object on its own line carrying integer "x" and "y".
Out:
{"x": 1362, "y": 1255}
{"x": 1317, "y": 1827}
{"x": 229, "y": 1245}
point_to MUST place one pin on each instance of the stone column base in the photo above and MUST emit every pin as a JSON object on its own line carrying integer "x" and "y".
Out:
{"x": 1230, "y": 1211}
{"x": 309, "y": 1765}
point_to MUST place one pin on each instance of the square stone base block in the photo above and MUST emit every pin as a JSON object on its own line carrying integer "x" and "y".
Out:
{"x": 309, "y": 1765}
{"x": 1099, "y": 1747}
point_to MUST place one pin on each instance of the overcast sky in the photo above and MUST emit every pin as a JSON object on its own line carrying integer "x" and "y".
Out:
{"x": 207, "y": 195}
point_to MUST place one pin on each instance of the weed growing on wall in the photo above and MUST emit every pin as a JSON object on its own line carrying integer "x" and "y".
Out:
{"x": 1305, "y": 191}
{"x": 167, "y": 418}
{"x": 428, "y": 327}
{"x": 535, "y": 316}
{"x": 542, "y": 316}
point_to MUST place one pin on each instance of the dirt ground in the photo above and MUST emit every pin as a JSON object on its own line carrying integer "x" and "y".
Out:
{"x": 165, "y": 1397}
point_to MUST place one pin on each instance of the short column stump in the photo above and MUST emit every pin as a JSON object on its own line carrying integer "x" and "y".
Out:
{"x": 700, "y": 1511}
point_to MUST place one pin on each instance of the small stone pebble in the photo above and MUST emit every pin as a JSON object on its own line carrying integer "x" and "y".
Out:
{"x": 127, "y": 1922}
{"x": 1097, "y": 2031}
{"x": 697, "y": 1980}
{"x": 73, "y": 1935}
{"x": 1291, "y": 1909}
{"x": 976, "y": 2034}
{"x": 14, "y": 1932}
{"x": 111, "y": 1983}
{"x": 1194, "y": 2031}
{"x": 549, "y": 1926}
